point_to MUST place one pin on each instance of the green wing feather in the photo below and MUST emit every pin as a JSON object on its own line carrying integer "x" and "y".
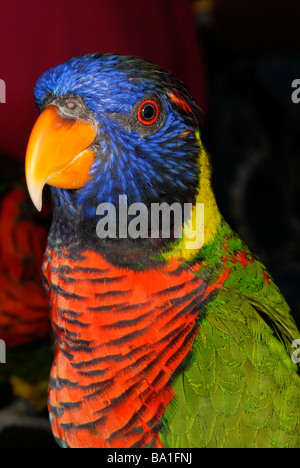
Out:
{"x": 241, "y": 388}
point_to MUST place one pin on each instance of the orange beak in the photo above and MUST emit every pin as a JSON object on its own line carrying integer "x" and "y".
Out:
{"x": 57, "y": 153}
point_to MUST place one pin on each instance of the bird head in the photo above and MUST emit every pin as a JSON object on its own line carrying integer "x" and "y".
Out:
{"x": 112, "y": 125}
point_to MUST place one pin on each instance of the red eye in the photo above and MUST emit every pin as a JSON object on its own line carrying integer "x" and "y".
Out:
{"x": 148, "y": 112}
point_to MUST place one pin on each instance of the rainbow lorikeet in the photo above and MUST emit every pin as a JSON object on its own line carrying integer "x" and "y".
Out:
{"x": 157, "y": 344}
{"x": 24, "y": 312}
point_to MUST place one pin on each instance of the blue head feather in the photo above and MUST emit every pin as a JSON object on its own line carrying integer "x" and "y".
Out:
{"x": 155, "y": 166}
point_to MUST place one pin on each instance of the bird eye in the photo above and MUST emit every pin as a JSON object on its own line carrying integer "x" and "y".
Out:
{"x": 148, "y": 112}
{"x": 147, "y": 115}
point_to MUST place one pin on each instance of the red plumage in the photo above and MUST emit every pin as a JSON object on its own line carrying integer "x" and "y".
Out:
{"x": 120, "y": 335}
{"x": 24, "y": 310}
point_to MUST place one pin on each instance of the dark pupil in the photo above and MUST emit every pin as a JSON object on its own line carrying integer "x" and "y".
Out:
{"x": 148, "y": 112}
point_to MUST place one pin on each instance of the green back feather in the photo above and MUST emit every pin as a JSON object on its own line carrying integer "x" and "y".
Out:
{"x": 241, "y": 388}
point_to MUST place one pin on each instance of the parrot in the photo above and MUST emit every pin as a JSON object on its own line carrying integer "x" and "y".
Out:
{"x": 158, "y": 343}
{"x": 24, "y": 312}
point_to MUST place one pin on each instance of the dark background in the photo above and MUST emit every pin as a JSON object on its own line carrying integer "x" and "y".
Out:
{"x": 239, "y": 59}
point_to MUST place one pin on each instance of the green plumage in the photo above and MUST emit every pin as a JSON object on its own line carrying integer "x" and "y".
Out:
{"x": 241, "y": 388}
